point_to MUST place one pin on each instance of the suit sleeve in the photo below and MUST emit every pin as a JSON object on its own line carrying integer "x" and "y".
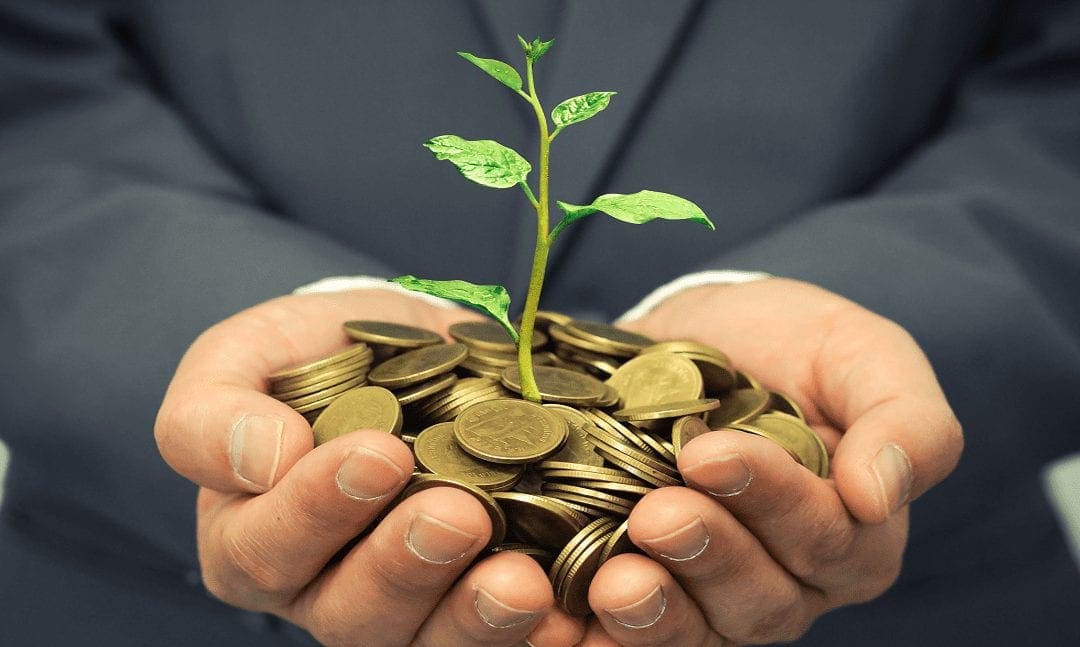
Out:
{"x": 973, "y": 244}
{"x": 122, "y": 236}
{"x": 982, "y": 214}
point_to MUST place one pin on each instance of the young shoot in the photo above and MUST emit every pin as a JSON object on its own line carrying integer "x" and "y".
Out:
{"x": 491, "y": 164}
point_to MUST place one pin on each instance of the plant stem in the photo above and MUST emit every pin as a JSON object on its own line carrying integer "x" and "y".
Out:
{"x": 529, "y": 390}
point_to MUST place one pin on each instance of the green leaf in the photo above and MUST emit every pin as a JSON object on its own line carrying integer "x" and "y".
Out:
{"x": 502, "y": 72}
{"x": 580, "y": 108}
{"x": 483, "y": 161}
{"x": 535, "y": 49}
{"x": 638, "y": 208}
{"x": 539, "y": 48}
{"x": 492, "y": 300}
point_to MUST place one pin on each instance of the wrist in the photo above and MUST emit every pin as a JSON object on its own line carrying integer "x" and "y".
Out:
{"x": 349, "y": 283}
{"x": 666, "y": 292}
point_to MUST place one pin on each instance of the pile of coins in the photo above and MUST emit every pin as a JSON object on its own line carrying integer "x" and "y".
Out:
{"x": 559, "y": 479}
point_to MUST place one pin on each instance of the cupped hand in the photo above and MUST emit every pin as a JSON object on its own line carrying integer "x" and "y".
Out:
{"x": 757, "y": 547}
{"x": 278, "y": 519}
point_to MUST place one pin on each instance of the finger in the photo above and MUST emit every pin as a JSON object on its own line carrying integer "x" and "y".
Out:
{"x": 596, "y": 636}
{"x": 217, "y": 427}
{"x": 383, "y": 590}
{"x": 901, "y": 436}
{"x": 498, "y": 602}
{"x": 259, "y": 552}
{"x": 639, "y": 603}
{"x": 743, "y": 593}
{"x": 798, "y": 518}
{"x": 555, "y": 629}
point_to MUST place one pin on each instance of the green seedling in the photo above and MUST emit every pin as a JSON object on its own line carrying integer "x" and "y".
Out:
{"x": 491, "y": 164}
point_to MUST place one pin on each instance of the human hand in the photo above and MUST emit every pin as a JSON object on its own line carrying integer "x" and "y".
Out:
{"x": 276, "y": 518}
{"x": 756, "y": 547}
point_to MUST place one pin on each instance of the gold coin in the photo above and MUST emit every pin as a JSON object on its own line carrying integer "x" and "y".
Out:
{"x": 781, "y": 402}
{"x": 454, "y": 406}
{"x": 588, "y": 495}
{"x": 630, "y": 460}
{"x": 657, "y": 378}
{"x": 798, "y": 437}
{"x": 658, "y": 448}
{"x": 618, "y": 430}
{"x": 437, "y": 452}
{"x": 450, "y": 409}
{"x": 667, "y": 410}
{"x": 618, "y": 543}
{"x": 339, "y": 357}
{"x": 621, "y": 489}
{"x": 558, "y": 385}
{"x": 717, "y": 374}
{"x": 425, "y": 389}
{"x": 328, "y": 391}
{"x": 463, "y": 385}
{"x": 594, "y": 529}
{"x": 573, "y": 589}
{"x": 540, "y": 520}
{"x": 415, "y": 366}
{"x": 494, "y": 358}
{"x": 630, "y": 452}
{"x": 618, "y": 477}
{"x": 601, "y": 338}
{"x": 546, "y": 318}
{"x": 490, "y": 336}
{"x": 619, "y": 342}
{"x": 420, "y": 482}
{"x": 476, "y": 368}
{"x": 748, "y": 428}
{"x": 542, "y": 556}
{"x": 681, "y": 346}
{"x": 368, "y": 407}
{"x": 746, "y": 381}
{"x": 357, "y": 365}
{"x": 686, "y": 429}
{"x": 563, "y": 465}
{"x": 594, "y": 363}
{"x": 739, "y": 406}
{"x": 391, "y": 334}
{"x": 510, "y": 431}
{"x": 578, "y": 448}
{"x": 610, "y": 399}
{"x": 317, "y": 407}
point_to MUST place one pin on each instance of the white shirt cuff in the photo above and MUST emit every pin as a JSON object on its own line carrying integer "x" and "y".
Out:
{"x": 345, "y": 283}
{"x": 646, "y": 305}
{"x": 685, "y": 282}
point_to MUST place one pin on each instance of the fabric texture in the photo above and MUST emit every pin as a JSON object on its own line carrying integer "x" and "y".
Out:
{"x": 165, "y": 164}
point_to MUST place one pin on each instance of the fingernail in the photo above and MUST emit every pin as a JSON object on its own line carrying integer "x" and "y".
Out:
{"x": 892, "y": 469}
{"x": 498, "y": 615}
{"x": 368, "y": 475}
{"x": 683, "y": 544}
{"x": 436, "y": 541}
{"x": 255, "y": 449}
{"x": 725, "y": 475}
{"x": 644, "y": 613}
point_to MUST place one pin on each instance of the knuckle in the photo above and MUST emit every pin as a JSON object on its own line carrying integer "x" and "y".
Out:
{"x": 326, "y": 621}
{"x": 398, "y": 580}
{"x": 954, "y": 437}
{"x": 784, "y": 620}
{"x": 828, "y": 543}
{"x": 248, "y": 565}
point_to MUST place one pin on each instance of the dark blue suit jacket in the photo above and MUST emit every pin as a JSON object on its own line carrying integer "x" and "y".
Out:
{"x": 164, "y": 164}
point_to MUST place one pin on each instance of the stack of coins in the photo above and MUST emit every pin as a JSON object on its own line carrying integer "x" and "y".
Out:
{"x": 558, "y": 480}
{"x": 491, "y": 349}
{"x": 311, "y": 387}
